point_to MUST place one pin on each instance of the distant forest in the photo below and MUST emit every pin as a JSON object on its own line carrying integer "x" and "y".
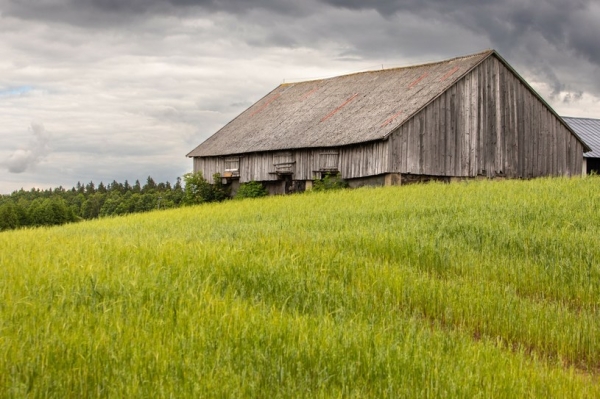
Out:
{"x": 59, "y": 205}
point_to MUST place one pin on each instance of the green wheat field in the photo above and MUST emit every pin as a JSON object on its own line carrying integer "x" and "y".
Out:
{"x": 479, "y": 289}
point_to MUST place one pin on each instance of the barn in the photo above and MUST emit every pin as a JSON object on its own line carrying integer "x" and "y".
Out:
{"x": 466, "y": 117}
{"x": 589, "y": 131}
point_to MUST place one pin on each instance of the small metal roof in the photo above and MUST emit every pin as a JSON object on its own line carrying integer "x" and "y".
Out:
{"x": 589, "y": 131}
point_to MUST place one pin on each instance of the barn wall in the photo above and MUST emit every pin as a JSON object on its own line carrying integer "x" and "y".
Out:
{"x": 257, "y": 167}
{"x": 209, "y": 166}
{"x": 363, "y": 160}
{"x": 489, "y": 123}
{"x": 441, "y": 140}
{"x": 356, "y": 161}
{"x": 307, "y": 161}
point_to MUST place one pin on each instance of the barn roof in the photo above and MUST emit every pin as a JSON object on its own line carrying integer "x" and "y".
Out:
{"x": 343, "y": 110}
{"x": 589, "y": 131}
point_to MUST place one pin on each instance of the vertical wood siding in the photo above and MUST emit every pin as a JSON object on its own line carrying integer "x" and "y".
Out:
{"x": 258, "y": 167}
{"x": 488, "y": 123}
{"x": 353, "y": 161}
{"x": 209, "y": 166}
{"x": 329, "y": 160}
{"x": 363, "y": 160}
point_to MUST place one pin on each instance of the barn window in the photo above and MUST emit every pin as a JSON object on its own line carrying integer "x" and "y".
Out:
{"x": 283, "y": 162}
{"x": 232, "y": 167}
{"x": 328, "y": 161}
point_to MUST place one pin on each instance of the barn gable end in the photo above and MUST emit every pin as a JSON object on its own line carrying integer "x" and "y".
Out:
{"x": 488, "y": 123}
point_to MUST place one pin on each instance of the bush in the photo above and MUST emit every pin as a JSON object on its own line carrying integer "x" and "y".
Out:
{"x": 198, "y": 190}
{"x": 220, "y": 192}
{"x": 252, "y": 189}
{"x": 330, "y": 182}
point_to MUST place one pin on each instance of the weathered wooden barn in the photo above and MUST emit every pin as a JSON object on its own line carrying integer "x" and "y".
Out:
{"x": 589, "y": 131}
{"x": 460, "y": 118}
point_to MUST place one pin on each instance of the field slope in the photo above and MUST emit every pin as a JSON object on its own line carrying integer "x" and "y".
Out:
{"x": 482, "y": 289}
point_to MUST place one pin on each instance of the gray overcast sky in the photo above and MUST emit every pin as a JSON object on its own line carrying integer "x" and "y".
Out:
{"x": 123, "y": 89}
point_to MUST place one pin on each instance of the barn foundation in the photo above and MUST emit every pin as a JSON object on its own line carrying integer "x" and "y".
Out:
{"x": 393, "y": 179}
{"x": 369, "y": 181}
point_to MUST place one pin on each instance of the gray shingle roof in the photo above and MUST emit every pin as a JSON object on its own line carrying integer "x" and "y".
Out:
{"x": 338, "y": 111}
{"x": 589, "y": 131}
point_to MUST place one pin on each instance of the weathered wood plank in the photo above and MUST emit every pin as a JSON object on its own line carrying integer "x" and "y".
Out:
{"x": 457, "y": 128}
{"x": 498, "y": 128}
{"x": 474, "y": 154}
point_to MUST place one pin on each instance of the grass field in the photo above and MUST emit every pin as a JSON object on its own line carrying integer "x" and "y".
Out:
{"x": 481, "y": 289}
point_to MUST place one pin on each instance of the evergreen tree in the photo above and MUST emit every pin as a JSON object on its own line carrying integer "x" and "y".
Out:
{"x": 177, "y": 194}
{"x": 115, "y": 186}
{"x": 177, "y": 186}
{"x": 90, "y": 188}
{"x": 150, "y": 185}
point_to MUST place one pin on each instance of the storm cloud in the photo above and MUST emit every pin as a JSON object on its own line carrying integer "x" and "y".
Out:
{"x": 128, "y": 87}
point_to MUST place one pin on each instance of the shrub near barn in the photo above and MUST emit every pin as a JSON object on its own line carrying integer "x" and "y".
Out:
{"x": 252, "y": 189}
{"x": 198, "y": 190}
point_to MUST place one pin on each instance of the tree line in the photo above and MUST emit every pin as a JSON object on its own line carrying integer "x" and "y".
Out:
{"x": 59, "y": 205}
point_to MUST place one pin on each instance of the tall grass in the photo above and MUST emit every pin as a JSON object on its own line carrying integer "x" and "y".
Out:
{"x": 488, "y": 289}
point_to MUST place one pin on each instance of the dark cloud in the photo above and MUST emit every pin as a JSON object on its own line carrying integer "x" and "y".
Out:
{"x": 523, "y": 30}
{"x": 99, "y": 13}
{"x": 232, "y": 6}
{"x": 564, "y": 24}
{"x": 527, "y": 32}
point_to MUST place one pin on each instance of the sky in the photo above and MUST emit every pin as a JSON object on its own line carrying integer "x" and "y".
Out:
{"x": 103, "y": 90}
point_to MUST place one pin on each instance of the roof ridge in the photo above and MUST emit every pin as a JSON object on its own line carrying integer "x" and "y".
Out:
{"x": 410, "y": 66}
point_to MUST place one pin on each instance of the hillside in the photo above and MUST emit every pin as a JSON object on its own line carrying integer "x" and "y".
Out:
{"x": 461, "y": 290}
